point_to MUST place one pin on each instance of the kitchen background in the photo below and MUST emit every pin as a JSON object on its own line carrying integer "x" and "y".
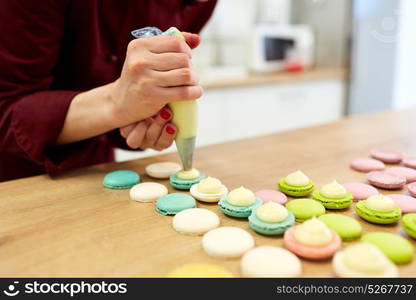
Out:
{"x": 273, "y": 65}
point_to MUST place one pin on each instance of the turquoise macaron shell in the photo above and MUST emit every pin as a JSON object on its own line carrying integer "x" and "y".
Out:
{"x": 172, "y": 204}
{"x": 121, "y": 179}
{"x": 184, "y": 184}
{"x": 270, "y": 228}
{"x": 238, "y": 211}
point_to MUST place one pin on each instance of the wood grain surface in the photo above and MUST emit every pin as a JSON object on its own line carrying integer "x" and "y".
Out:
{"x": 72, "y": 226}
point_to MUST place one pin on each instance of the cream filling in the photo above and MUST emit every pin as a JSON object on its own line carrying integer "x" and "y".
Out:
{"x": 297, "y": 178}
{"x": 241, "y": 197}
{"x": 272, "y": 212}
{"x": 188, "y": 175}
{"x": 380, "y": 203}
{"x": 313, "y": 232}
{"x": 333, "y": 190}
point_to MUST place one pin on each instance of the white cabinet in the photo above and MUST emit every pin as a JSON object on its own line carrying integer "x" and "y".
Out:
{"x": 240, "y": 112}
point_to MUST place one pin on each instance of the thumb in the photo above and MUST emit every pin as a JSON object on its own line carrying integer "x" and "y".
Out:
{"x": 191, "y": 39}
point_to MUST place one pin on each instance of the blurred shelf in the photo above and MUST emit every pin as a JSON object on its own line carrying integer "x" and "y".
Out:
{"x": 274, "y": 78}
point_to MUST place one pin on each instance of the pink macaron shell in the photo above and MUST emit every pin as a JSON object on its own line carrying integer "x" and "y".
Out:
{"x": 384, "y": 180}
{"x": 271, "y": 196}
{"x": 410, "y": 162}
{"x": 311, "y": 252}
{"x": 411, "y": 188}
{"x": 408, "y": 173}
{"x": 366, "y": 164}
{"x": 359, "y": 190}
{"x": 390, "y": 157}
{"x": 406, "y": 203}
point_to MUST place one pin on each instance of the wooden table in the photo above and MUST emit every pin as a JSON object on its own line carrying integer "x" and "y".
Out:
{"x": 72, "y": 226}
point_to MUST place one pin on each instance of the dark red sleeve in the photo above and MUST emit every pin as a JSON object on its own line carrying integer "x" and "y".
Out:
{"x": 32, "y": 116}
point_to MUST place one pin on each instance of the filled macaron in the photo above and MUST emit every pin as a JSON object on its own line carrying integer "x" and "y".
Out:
{"x": 209, "y": 190}
{"x": 184, "y": 179}
{"x": 271, "y": 219}
{"x": 239, "y": 203}
{"x": 363, "y": 260}
{"x": 378, "y": 209}
{"x": 296, "y": 184}
{"x": 333, "y": 196}
{"x": 312, "y": 240}
{"x": 409, "y": 224}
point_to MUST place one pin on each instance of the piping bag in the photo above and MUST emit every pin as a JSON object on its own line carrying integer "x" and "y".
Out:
{"x": 185, "y": 113}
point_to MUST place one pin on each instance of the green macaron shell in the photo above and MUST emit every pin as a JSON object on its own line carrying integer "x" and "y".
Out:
{"x": 377, "y": 217}
{"x": 267, "y": 228}
{"x": 409, "y": 224}
{"x": 304, "y": 209}
{"x": 172, "y": 204}
{"x": 295, "y": 191}
{"x": 238, "y": 211}
{"x": 184, "y": 184}
{"x": 333, "y": 203}
{"x": 396, "y": 248}
{"x": 121, "y": 179}
{"x": 346, "y": 227}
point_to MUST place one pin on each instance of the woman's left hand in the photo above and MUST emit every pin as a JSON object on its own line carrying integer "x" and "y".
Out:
{"x": 155, "y": 133}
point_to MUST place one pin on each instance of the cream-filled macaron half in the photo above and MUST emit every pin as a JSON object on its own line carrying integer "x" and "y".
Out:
{"x": 188, "y": 174}
{"x": 297, "y": 178}
{"x": 271, "y": 212}
{"x": 313, "y": 232}
{"x": 209, "y": 189}
{"x": 162, "y": 170}
{"x": 363, "y": 260}
{"x": 195, "y": 221}
{"x": 241, "y": 197}
{"x": 380, "y": 203}
{"x": 333, "y": 190}
{"x": 147, "y": 191}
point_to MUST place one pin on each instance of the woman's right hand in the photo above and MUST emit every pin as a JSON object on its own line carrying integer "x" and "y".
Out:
{"x": 156, "y": 72}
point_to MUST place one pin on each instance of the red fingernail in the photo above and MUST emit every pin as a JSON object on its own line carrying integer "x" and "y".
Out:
{"x": 165, "y": 114}
{"x": 170, "y": 129}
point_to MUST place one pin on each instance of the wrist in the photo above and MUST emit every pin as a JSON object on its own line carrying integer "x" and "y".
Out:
{"x": 112, "y": 112}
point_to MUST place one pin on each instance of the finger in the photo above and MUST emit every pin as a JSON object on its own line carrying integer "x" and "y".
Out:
{"x": 166, "y": 138}
{"x": 178, "y": 77}
{"x": 191, "y": 39}
{"x": 163, "y": 44}
{"x": 155, "y": 128}
{"x": 125, "y": 131}
{"x": 137, "y": 135}
{"x": 180, "y": 93}
{"x": 169, "y": 61}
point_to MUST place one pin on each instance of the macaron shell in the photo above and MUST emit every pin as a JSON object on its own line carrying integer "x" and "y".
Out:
{"x": 409, "y": 225}
{"x": 408, "y": 173}
{"x": 311, "y": 252}
{"x": 295, "y": 191}
{"x": 366, "y": 164}
{"x": 333, "y": 203}
{"x": 410, "y": 162}
{"x": 386, "y": 180}
{"x": 270, "y": 228}
{"x": 396, "y": 248}
{"x": 195, "y": 221}
{"x": 271, "y": 262}
{"x": 238, "y": 211}
{"x": 360, "y": 191}
{"x": 346, "y": 227}
{"x": 304, "y": 209}
{"x": 227, "y": 242}
{"x": 211, "y": 198}
{"x": 183, "y": 184}
{"x": 121, "y": 179}
{"x": 271, "y": 196}
{"x": 172, "y": 204}
{"x": 411, "y": 188}
{"x": 162, "y": 170}
{"x": 147, "y": 191}
{"x": 406, "y": 203}
{"x": 387, "y": 156}
{"x": 200, "y": 271}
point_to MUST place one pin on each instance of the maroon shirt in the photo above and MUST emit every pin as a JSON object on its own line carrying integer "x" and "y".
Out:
{"x": 50, "y": 50}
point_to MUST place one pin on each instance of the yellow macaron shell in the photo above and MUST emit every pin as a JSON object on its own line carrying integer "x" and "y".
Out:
{"x": 241, "y": 197}
{"x": 210, "y": 185}
{"x": 380, "y": 203}
{"x": 272, "y": 212}
{"x": 200, "y": 271}
{"x": 333, "y": 190}
{"x": 188, "y": 174}
{"x": 313, "y": 232}
{"x": 297, "y": 178}
{"x": 366, "y": 258}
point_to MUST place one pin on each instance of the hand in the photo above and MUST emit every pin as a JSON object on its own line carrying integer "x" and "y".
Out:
{"x": 156, "y": 71}
{"x": 156, "y": 133}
